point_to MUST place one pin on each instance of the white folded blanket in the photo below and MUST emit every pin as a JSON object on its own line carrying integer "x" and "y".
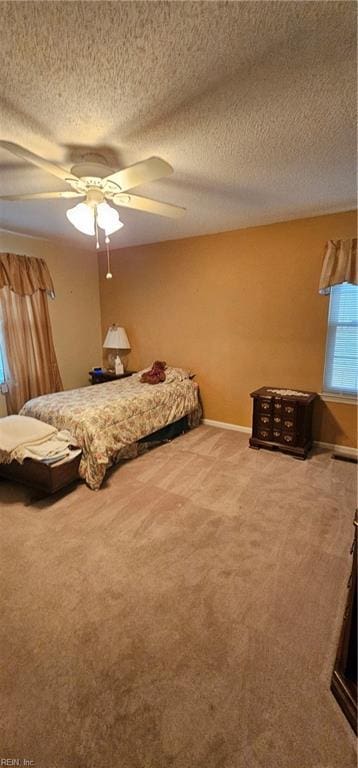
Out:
{"x": 56, "y": 445}
{"x": 22, "y": 436}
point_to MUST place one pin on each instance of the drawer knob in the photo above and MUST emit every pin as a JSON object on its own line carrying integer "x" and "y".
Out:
{"x": 289, "y": 409}
{"x": 265, "y": 406}
{"x": 263, "y": 433}
{"x": 288, "y": 423}
{"x": 287, "y": 438}
{"x": 277, "y": 419}
{"x": 265, "y": 419}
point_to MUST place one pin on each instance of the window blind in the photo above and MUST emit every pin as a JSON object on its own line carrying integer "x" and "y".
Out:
{"x": 341, "y": 367}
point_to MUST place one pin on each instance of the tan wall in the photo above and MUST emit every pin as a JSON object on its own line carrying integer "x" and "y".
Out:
{"x": 240, "y": 308}
{"x": 75, "y": 312}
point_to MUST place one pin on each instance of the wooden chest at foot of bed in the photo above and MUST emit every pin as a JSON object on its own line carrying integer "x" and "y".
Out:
{"x": 48, "y": 478}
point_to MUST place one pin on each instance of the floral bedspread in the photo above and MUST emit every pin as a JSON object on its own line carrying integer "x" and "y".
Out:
{"x": 105, "y": 420}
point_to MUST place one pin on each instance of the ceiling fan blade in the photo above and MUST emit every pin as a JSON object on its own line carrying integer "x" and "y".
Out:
{"x": 139, "y": 173}
{"x": 41, "y": 196}
{"x": 46, "y": 165}
{"x": 139, "y": 203}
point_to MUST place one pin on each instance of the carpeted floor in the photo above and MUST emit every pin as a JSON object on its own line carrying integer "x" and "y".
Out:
{"x": 185, "y": 616}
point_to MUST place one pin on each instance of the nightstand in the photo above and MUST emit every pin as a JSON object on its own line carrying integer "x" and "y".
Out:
{"x": 100, "y": 377}
{"x": 282, "y": 419}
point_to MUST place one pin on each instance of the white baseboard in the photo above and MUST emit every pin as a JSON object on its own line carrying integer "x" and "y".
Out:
{"x": 341, "y": 450}
{"x": 226, "y": 425}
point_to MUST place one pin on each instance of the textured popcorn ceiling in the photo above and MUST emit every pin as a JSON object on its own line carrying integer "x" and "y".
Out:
{"x": 253, "y": 103}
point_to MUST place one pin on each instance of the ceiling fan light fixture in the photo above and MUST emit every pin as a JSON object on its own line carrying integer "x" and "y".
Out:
{"x": 108, "y": 219}
{"x": 82, "y": 217}
{"x": 91, "y": 179}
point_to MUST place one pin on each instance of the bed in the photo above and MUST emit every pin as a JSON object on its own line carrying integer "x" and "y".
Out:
{"x": 107, "y": 421}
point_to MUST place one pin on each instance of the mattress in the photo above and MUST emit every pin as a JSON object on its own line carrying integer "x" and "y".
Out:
{"x": 107, "y": 419}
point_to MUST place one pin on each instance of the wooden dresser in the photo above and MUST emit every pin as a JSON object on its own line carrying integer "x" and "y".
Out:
{"x": 282, "y": 419}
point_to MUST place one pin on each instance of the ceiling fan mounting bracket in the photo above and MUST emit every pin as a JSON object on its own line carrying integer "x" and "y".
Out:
{"x": 85, "y": 183}
{"x": 90, "y": 169}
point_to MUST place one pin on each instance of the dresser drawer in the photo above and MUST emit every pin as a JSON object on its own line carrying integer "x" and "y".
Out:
{"x": 264, "y": 405}
{"x": 289, "y": 409}
{"x": 263, "y": 420}
{"x": 287, "y": 439}
{"x": 288, "y": 424}
{"x": 277, "y": 420}
{"x": 263, "y": 434}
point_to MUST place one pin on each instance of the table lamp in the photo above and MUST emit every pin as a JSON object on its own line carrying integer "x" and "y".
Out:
{"x": 116, "y": 339}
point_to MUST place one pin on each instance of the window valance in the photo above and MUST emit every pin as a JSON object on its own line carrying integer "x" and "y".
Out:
{"x": 25, "y": 274}
{"x": 339, "y": 264}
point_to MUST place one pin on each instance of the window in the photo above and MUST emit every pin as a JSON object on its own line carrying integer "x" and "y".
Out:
{"x": 341, "y": 368}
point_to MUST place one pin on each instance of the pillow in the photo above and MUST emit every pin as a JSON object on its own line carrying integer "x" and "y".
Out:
{"x": 175, "y": 374}
{"x": 171, "y": 374}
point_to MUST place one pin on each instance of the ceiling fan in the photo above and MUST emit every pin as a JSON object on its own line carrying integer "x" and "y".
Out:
{"x": 99, "y": 183}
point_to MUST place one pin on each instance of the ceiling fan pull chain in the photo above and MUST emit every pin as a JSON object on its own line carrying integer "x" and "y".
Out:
{"x": 109, "y": 273}
{"x": 96, "y": 227}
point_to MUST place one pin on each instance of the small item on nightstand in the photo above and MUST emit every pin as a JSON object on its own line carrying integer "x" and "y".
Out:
{"x": 118, "y": 366}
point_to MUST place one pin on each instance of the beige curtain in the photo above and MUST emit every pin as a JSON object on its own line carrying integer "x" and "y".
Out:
{"x": 339, "y": 264}
{"x": 30, "y": 361}
{"x": 25, "y": 274}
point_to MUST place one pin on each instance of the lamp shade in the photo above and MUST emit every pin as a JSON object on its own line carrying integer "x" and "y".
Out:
{"x": 116, "y": 338}
{"x": 108, "y": 218}
{"x": 82, "y": 217}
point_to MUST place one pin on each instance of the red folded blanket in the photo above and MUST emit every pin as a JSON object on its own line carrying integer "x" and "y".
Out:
{"x": 155, "y": 375}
